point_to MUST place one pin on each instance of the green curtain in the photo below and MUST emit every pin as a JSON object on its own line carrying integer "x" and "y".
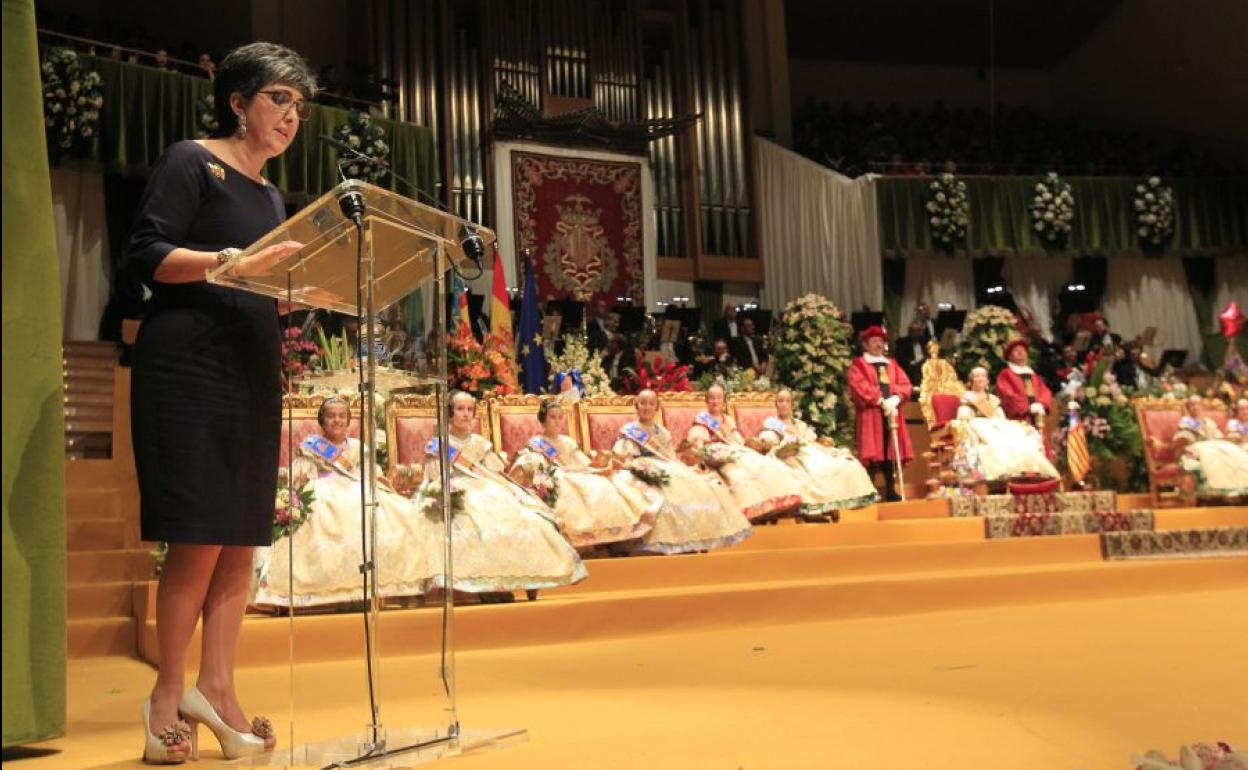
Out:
{"x": 1211, "y": 217}
{"x": 147, "y": 109}
{"x": 34, "y": 433}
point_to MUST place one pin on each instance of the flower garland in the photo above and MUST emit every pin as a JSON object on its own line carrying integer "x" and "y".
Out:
{"x": 948, "y": 209}
{"x": 1052, "y": 209}
{"x": 813, "y": 351}
{"x": 290, "y": 512}
{"x": 362, "y": 134}
{"x": 480, "y": 369}
{"x": 72, "y": 99}
{"x": 206, "y": 123}
{"x": 984, "y": 335}
{"x": 1154, "y": 211}
{"x": 577, "y": 358}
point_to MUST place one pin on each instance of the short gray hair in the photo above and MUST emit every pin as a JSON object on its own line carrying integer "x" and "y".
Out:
{"x": 251, "y": 67}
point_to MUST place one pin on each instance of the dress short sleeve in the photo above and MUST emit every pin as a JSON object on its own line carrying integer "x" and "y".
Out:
{"x": 167, "y": 210}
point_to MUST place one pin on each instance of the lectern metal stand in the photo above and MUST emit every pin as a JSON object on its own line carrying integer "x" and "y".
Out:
{"x": 360, "y": 265}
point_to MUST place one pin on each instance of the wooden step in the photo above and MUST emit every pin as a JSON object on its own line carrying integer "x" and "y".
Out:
{"x": 89, "y": 399}
{"x": 100, "y": 475}
{"x": 96, "y": 637}
{"x": 75, "y": 425}
{"x": 89, "y": 412}
{"x": 79, "y": 360}
{"x": 109, "y": 566}
{"x": 75, "y": 372}
{"x": 101, "y": 600}
{"x": 89, "y": 348}
{"x": 94, "y": 387}
{"x": 92, "y": 503}
{"x": 101, "y": 534}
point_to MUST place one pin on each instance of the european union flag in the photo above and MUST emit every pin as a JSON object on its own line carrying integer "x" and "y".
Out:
{"x": 529, "y": 337}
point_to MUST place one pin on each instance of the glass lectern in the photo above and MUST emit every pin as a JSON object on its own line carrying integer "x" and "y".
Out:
{"x": 363, "y": 250}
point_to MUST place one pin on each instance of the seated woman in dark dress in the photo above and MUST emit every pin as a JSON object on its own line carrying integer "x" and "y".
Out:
{"x": 206, "y": 394}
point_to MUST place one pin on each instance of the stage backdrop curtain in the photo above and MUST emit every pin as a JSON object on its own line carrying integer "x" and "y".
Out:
{"x": 82, "y": 242}
{"x": 1211, "y": 217}
{"x": 1231, "y": 275}
{"x": 34, "y": 434}
{"x": 147, "y": 109}
{"x": 934, "y": 280}
{"x": 818, "y": 231}
{"x": 1036, "y": 282}
{"x": 1152, "y": 291}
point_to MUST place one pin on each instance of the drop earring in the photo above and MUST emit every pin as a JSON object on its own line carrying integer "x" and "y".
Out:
{"x": 242, "y": 125}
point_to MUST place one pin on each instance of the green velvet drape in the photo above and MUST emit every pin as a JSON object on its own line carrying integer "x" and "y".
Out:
{"x": 34, "y": 433}
{"x": 1211, "y": 217}
{"x": 147, "y": 109}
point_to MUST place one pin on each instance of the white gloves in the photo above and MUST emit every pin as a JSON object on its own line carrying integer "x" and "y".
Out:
{"x": 890, "y": 404}
{"x": 1037, "y": 409}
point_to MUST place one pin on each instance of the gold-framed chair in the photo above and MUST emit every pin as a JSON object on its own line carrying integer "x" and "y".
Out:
{"x": 1168, "y": 483}
{"x": 750, "y": 410}
{"x": 411, "y": 421}
{"x": 1214, "y": 409}
{"x": 599, "y": 419}
{"x": 299, "y": 411}
{"x": 940, "y": 394}
{"x": 513, "y": 421}
{"x": 677, "y": 412}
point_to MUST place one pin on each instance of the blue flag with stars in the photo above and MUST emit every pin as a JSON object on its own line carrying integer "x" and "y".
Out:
{"x": 529, "y": 337}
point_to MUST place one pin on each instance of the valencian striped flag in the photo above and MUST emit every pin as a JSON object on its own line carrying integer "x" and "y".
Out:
{"x": 461, "y": 305}
{"x": 500, "y": 303}
{"x": 1077, "y": 458}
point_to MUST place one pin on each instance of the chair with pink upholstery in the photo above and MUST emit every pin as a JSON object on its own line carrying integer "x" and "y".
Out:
{"x": 750, "y": 410}
{"x": 411, "y": 420}
{"x": 1158, "y": 419}
{"x": 513, "y": 421}
{"x": 940, "y": 394}
{"x": 300, "y": 411}
{"x": 677, "y": 411}
{"x": 599, "y": 419}
{"x": 1216, "y": 410}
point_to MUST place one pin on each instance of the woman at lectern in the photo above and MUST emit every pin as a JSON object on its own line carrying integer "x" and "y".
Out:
{"x": 206, "y": 393}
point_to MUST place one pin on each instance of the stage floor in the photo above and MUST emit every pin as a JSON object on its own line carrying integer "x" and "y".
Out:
{"x": 1054, "y": 686}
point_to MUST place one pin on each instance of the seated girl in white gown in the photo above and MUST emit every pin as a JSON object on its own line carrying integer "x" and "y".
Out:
{"x": 590, "y": 508}
{"x": 992, "y": 447}
{"x": 327, "y": 547}
{"x": 835, "y": 479}
{"x": 504, "y": 538}
{"x": 1221, "y": 466}
{"x": 763, "y": 486}
{"x": 698, "y": 511}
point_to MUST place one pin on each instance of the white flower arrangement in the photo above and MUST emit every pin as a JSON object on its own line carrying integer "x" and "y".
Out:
{"x": 1052, "y": 209}
{"x": 72, "y": 99}
{"x": 577, "y": 358}
{"x": 363, "y": 135}
{"x": 984, "y": 335}
{"x": 206, "y": 117}
{"x": 813, "y": 351}
{"x": 948, "y": 210}
{"x": 1154, "y": 211}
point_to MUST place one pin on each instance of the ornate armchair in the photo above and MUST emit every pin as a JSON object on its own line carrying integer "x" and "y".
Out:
{"x": 750, "y": 410}
{"x": 411, "y": 420}
{"x": 677, "y": 412}
{"x": 1216, "y": 410}
{"x": 299, "y": 411}
{"x": 940, "y": 394}
{"x": 1158, "y": 420}
{"x": 513, "y": 421}
{"x": 599, "y": 419}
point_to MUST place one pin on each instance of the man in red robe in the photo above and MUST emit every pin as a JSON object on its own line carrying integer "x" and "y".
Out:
{"x": 1023, "y": 394}
{"x": 878, "y": 387}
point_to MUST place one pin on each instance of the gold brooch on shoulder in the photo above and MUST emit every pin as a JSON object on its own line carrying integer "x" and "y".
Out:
{"x": 217, "y": 170}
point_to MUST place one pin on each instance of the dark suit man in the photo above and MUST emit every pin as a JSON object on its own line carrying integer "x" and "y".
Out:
{"x": 727, "y": 327}
{"x": 911, "y": 352}
{"x": 747, "y": 350}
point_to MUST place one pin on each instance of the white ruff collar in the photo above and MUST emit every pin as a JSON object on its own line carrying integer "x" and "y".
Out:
{"x": 874, "y": 359}
{"x": 1020, "y": 369}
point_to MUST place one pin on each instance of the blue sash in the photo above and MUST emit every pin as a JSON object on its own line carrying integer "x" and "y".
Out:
{"x": 776, "y": 424}
{"x": 432, "y": 448}
{"x": 541, "y": 444}
{"x": 320, "y": 447}
{"x": 705, "y": 418}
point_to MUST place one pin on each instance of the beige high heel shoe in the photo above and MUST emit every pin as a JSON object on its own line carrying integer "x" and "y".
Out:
{"x": 157, "y": 746}
{"x": 234, "y": 744}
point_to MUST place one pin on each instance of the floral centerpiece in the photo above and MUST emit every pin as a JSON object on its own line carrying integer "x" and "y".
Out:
{"x": 738, "y": 380}
{"x": 480, "y": 369}
{"x": 1052, "y": 209}
{"x": 1113, "y": 434}
{"x": 984, "y": 335}
{"x": 429, "y": 494}
{"x": 660, "y": 376}
{"x": 206, "y": 123}
{"x": 291, "y": 510}
{"x": 360, "y": 133}
{"x": 813, "y": 351}
{"x": 72, "y": 99}
{"x": 1154, "y": 212}
{"x": 577, "y": 359}
{"x": 948, "y": 210}
{"x": 647, "y": 472}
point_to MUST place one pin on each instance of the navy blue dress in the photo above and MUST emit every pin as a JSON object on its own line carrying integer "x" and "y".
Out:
{"x": 206, "y": 386}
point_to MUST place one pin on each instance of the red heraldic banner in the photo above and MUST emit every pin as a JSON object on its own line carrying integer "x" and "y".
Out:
{"x": 581, "y": 220}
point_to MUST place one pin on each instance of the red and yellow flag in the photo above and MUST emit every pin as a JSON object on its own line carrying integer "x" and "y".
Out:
{"x": 500, "y": 302}
{"x": 1077, "y": 458}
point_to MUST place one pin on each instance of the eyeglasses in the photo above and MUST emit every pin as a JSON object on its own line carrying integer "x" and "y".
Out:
{"x": 283, "y": 101}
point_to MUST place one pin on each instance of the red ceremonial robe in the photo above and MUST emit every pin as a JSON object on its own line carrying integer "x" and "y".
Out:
{"x": 874, "y": 442}
{"x": 1013, "y": 395}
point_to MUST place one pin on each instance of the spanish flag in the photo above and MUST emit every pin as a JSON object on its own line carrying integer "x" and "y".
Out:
{"x": 461, "y": 305}
{"x": 500, "y": 302}
{"x": 1077, "y": 458}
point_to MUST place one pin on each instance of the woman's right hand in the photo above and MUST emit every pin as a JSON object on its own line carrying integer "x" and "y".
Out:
{"x": 263, "y": 260}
